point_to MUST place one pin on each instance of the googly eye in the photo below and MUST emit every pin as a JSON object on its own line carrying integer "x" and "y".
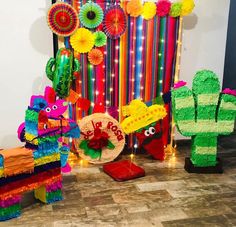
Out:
{"x": 48, "y": 110}
{"x": 147, "y": 133}
{"x": 152, "y": 130}
{"x": 45, "y": 126}
{"x": 54, "y": 107}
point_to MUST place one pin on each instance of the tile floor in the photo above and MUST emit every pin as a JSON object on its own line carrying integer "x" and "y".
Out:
{"x": 166, "y": 196}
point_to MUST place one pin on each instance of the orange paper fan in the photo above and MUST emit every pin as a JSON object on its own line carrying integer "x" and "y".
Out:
{"x": 95, "y": 57}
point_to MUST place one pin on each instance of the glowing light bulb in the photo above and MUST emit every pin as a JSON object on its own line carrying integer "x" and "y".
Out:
{"x": 131, "y": 156}
{"x": 97, "y": 92}
{"x": 140, "y": 75}
{"x": 160, "y": 81}
{"x": 136, "y": 146}
{"x": 159, "y": 54}
{"x": 92, "y": 104}
{"x": 111, "y": 89}
{"x": 140, "y": 48}
{"x": 117, "y": 47}
{"x": 112, "y": 75}
{"x": 107, "y": 102}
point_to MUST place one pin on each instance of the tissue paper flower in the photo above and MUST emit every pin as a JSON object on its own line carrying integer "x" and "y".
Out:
{"x": 100, "y": 39}
{"x": 134, "y": 8}
{"x": 91, "y": 15}
{"x": 95, "y": 57}
{"x": 149, "y": 10}
{"x": 187, "y": 7}
{"x": 176, "y": 8}
{"x": 163, "y": 8}
{"x": 82, "y": 40}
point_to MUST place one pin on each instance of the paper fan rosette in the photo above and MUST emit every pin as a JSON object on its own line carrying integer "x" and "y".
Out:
{"x": 82, "y": 40}
{"x": 100, "y": 38}
{"x": 62, "y": 19}
{"x": 91, "y": 15}
{"x": 101, "y": 140}
{"x": 114, "y": 22}
{"x": 95, "y": 56}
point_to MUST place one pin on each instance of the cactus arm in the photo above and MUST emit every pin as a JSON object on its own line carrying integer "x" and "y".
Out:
{"x": 76, "y": 67}
{"x": 206, "y": 90}
{"x": 226, "y": 114}
{"x": 184, "y": 110}
{"x": 49, "y": 68}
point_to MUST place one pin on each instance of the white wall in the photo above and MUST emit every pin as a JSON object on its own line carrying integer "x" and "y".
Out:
{"x": 25, "y": 46}
{"x": 204, "y": 40}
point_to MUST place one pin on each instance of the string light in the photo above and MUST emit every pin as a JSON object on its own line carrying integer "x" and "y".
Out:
{"x": 111, "y": 89}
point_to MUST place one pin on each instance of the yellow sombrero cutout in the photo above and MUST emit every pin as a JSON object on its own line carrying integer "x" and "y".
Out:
{"x": 139, "y": 115}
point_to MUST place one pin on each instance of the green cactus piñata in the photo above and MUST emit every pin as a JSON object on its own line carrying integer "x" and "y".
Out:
{"x": 61, "y": 71}
{"x": 203, "y": 113}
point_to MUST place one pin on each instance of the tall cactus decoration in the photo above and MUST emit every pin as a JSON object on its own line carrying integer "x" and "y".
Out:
{"x": 61, "y": 71}
{"x": 203, "y": 113}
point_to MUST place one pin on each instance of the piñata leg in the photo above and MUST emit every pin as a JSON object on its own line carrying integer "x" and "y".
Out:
{"x": 10, "y": 208}
{"x": 49, "y": 193}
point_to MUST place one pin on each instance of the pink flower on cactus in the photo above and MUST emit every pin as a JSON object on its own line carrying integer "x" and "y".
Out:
{"x": 229, "y": 91}
{"x": 163, "y": 8}
{"x": 179, "y": 84}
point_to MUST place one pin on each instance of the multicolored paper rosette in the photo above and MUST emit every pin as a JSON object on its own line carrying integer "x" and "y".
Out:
{"x": 149, "y": 10}
{"x": 82, "y": 40}
{"x": 114, "y": 22}
{"x": 100, "y": 38}
{"x": 95, "y": 56}
{"x": 62, "y": 19}
{"x": 91, "y": 15}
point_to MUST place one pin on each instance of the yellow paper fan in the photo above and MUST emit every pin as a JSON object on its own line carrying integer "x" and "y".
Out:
{"x": 82, "y": 40}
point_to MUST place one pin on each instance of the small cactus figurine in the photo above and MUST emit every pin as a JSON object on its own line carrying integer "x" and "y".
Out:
{"x": 203, "y": 113}
{"x": 60, "y": 71}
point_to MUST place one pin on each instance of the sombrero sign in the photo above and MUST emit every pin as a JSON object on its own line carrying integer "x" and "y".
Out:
{"x": 102, "y": 138}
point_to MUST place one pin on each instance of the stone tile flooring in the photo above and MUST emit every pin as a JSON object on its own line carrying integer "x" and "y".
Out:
{"x": 166, "y": 196}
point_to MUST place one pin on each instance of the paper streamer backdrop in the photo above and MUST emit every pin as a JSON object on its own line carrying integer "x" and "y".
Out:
{"x": 139, "y": 64}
